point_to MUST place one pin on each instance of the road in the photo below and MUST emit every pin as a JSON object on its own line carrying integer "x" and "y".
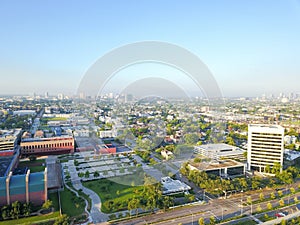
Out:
{"x": 218, "y": 208}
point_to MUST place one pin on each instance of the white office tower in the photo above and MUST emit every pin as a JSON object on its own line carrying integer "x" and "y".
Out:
{"x": 265, "y": 146}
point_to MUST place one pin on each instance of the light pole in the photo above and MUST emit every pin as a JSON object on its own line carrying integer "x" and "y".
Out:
{"x": 192, "y": 217}
{"x": 241, "y": 202}
{"x": 222, "y": 213}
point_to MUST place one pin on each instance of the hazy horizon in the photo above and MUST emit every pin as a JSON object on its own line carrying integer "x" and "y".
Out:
{"x": 251, "y": 48}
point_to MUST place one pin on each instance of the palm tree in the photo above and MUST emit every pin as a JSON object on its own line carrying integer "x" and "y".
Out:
{"x": 201, "y": 221}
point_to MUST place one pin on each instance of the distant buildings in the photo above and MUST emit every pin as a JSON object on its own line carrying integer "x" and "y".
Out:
{"x": 9, "y": 141}
{"x": 265, "y": 146}
{"x": 166, "y": 154}
{"x": 24, "y": 112}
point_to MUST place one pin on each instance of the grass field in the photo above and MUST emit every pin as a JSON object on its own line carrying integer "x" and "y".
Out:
{"x": 34, "y": 166}
{"x": 71, "y": 204}
{"x": 45, "y": 119}
{"x": 54, "y": 198}
{"x": 114, "y": 196}
{"x": 32, "y": 219}
{"x": 248, "y": 222}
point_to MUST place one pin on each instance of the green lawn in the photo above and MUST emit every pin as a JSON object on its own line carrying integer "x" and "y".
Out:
{"x": 54, "y": 198}
{"x": 45, "y": 119}
{"x": 248, "y": 222}
{"x": 32, "y": 219}
{"x": 71, "y": 204}
{"x": 114, "y": 196}
{"x": 34, "y": 166}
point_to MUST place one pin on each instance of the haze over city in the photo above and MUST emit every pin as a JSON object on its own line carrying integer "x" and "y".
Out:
{"x": 250, "y": 47}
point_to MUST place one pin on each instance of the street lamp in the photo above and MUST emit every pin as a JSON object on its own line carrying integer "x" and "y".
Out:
{"x": 192, "y": 217}
{"x": 222, "y": 213}
{"x": 241, "y": 202}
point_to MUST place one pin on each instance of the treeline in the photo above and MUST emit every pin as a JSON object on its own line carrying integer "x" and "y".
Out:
{"x": 16, "y": 121}
{"x": 16, "y": 210}
{"x": 218, "y": 186}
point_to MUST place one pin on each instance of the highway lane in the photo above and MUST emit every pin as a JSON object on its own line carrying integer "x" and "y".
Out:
{"x": 226, "y": 208}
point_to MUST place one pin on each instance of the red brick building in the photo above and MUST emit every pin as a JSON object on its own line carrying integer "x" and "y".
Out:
{"x": 47, "y": 146}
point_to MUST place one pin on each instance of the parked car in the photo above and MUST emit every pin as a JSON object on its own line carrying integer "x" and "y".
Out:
{"x": 280, "y": 214}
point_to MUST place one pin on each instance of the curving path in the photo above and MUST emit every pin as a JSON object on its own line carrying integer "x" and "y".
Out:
{"x": 86, "y": 202}
{"x": 96, "y": 215}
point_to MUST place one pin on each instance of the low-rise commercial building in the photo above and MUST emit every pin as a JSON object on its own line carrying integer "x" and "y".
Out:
{"x": 220, "y": 151}
{"x": 171, "y": 186}
{"x": 48, "y": 146}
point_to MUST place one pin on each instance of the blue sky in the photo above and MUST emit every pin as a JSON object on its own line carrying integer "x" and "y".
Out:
{"x": 251, "y": 47}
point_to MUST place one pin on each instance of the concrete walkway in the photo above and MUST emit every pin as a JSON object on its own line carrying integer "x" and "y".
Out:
{"x": 96, "y": 215}
{"x": 86, "y": 204}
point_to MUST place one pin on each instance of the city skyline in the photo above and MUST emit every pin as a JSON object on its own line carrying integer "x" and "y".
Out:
{"x": 250, "y": 48}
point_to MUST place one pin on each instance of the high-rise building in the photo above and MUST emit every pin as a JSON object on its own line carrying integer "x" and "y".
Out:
{"x": 265, "y": 146}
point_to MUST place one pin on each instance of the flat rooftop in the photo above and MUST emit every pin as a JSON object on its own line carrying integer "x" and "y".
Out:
{"x": 269, "y": 126}
{"x": 215, "y": 147}
{"x": 220, "y": 164}
{"x": 173, "y": 186}
{"x": 292, "y": 155}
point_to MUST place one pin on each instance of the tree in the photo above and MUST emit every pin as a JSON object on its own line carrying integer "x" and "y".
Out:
{"x": 212, "y": 220}
{"x": 269, "y": 206}
{"x": 273, "y": 195}
{"x": 133, "y": 204}
{"x": 5, "y": 212}
{"x": 267, "y": 169}
{"x": 190, "y": 197}
{"x": 96, "y": 174}
{"x": 62, "y": 220}
{"x": 167, "y": 201}
{"x": 27, "y": 208}
{"x": 281, "y": 202}
{"x": 230, "y": 141}
{"x": 15, "y": 210}
{"x": 266, "y": 216}
{"x": 201, "y": 221}
{"x": 283, "y": 222}
{"x": 292, "y": 190}
{"x": 280, "y": 194}
{"x": 258, "y": 208}
{"x": 191, "y": 139}
{"x": 285, "y": 177}
{"x": 276, "y": 168}
{"x": 87, "y": 174}
{"x": 295, "y": 199}
{"x": 47, "y": 204}
{"x": 261, "y": 197}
